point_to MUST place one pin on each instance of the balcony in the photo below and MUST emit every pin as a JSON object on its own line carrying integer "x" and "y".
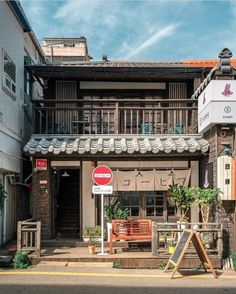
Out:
{"x": 115, "y": 116}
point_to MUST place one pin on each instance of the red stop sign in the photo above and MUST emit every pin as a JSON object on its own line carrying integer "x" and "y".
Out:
{"x": 102, "y": 175}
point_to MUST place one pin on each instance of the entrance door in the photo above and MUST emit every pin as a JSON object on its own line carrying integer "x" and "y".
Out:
{"x": 68, "y": 204}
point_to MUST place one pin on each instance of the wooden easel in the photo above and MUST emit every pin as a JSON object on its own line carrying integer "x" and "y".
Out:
{"x": 180, "y": 250}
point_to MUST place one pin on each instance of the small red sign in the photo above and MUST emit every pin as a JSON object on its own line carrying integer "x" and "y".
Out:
{"x": 102, "y": 175}
{"x": 41, "y": 164}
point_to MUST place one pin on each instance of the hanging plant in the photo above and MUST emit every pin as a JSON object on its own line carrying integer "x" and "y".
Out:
{"x": 3, "y": 196}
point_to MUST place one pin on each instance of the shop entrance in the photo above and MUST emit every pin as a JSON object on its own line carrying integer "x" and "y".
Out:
{"x": 67, "y": 204}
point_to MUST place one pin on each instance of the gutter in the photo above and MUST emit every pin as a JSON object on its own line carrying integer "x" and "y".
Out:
{"x": 18, "y": 11}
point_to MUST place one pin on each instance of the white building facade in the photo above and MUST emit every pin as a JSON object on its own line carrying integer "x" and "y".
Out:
{"x": 16, "y": 42}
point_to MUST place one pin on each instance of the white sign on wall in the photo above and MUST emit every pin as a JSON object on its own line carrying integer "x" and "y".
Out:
{"x": 217, "y": 104}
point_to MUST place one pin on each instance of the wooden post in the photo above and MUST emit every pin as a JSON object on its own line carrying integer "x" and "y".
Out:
{"x": 154, "y": 239}
{"x": 38, "y": 239}
{"x": 19, "y": 236}
{"x": 116, "y": 118}
{"x": 220, "y": 241}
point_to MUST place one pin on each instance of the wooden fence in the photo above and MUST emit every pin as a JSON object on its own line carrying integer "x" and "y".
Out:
{"x": 29, "y": 236}
{"x": 165, "y": 233}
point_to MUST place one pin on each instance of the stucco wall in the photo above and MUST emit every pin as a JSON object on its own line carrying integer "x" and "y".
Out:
{"x": 88, "y": 203}
{"x": 11, "y": 119}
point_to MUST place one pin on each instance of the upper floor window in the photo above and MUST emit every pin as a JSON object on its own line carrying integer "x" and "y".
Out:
{"x": 9, "y": 77}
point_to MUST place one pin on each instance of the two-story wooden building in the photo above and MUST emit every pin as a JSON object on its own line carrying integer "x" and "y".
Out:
{"x": 138, "y": 118}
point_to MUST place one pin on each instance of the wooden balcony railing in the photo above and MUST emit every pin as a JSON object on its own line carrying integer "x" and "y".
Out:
{"x": 211, "y": 235}
{"x": 114, "y": 116}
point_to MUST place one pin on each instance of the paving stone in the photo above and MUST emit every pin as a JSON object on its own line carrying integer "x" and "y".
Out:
{"x": 52, "y": 263}
{"x": 90, "y": 264}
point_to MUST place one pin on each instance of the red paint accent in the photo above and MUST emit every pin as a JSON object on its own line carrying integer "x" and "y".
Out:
{"x": 41, "y": 164}
{"x": 102, "y": 175}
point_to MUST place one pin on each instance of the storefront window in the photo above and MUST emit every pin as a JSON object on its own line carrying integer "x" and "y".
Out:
{"x": 131, "y": 201}
{"x": 145, "y": 204}
{"x": 154, "y": 204}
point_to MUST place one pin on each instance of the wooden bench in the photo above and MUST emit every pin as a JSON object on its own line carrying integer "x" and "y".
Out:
{"x": 130, "y": 230}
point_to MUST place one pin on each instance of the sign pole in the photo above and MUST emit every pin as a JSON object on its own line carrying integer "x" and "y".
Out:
{"x": 102, "y": 223}
{"x": 102, "y": 226}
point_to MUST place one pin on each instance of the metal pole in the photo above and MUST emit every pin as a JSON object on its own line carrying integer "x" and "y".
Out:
{"x": 102, "y": 226}
{"x": 102, "y": 223}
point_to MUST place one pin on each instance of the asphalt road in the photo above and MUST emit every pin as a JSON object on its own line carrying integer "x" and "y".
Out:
{"x": 112, "y": 281}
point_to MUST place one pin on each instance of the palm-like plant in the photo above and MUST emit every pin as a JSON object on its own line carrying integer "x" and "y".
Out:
{"x": 183, "y": 198}
{"x": 208, "y": 199}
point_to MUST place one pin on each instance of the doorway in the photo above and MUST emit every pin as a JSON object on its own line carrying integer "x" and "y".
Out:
{"x": 67, "y": 204}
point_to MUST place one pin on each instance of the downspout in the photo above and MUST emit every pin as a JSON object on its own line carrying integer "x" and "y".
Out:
{"x": 5, "y": 207}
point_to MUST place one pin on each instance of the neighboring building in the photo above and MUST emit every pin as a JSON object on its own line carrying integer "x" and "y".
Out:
{"x": 59, "y": 50}
{"x": 18, "y": 46}
{"x": 217, "y": 122}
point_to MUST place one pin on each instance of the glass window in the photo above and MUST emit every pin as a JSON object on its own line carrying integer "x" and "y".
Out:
{"x": 9, "y": 79}
{"x": 131, "y": 201}
{"x": 170, "y": 207}
{"x": 154, "y": 204}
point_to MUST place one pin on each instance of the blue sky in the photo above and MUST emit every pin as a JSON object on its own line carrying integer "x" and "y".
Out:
{"x": 139, "y": 29}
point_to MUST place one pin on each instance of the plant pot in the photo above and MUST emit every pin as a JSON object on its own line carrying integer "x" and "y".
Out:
{"x": 92, "y": 249}
{"x": 85, "y": 238}
{"x": 171, "y": 249}
{"x": 109, "y": 227}
{"x": 181, "y": 226}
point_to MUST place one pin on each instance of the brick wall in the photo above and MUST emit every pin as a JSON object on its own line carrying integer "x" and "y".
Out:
{"x": 42, "y": 203}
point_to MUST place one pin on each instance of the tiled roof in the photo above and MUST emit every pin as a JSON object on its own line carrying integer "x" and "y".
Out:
{"x": 117, "y": 64}
{"x": 140, "y": 64}
{"x": 206, "y": 62}
{"x": 116, "y": 144}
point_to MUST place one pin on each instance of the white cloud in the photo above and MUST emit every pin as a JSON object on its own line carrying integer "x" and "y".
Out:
{"x": 155, "y": 39}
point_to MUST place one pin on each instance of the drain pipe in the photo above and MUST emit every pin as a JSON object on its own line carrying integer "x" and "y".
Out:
{"x": 5, "y": 208}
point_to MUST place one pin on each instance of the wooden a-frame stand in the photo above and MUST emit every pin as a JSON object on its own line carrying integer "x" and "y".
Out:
{"x": 180, "y": 250}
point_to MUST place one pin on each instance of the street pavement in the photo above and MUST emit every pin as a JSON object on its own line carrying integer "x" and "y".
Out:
{"x": 107, "y": 280}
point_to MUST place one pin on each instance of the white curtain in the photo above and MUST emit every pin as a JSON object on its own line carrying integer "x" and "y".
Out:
{"x": 149, "y": 180}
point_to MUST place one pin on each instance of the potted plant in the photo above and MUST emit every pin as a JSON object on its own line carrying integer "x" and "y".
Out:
{"x": 208, "y": 200}
{"x": 114, "y": 211}
{"x": 171, "y": 245}
{"x": 183, "y": 198}
{"x": 86, "y": 234}
{"x": 94, "y": 235}
{"x": 92, "y": 245}
{"x": 94, "y": 231}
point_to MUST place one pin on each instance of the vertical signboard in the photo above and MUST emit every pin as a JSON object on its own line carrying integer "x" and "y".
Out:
{"x": 217, "y": 104}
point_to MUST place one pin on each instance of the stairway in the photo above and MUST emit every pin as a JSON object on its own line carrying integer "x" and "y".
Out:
{"x": 68, "y": 201}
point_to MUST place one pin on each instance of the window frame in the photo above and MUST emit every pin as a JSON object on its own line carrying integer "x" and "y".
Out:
{"x": 11, "y": 88}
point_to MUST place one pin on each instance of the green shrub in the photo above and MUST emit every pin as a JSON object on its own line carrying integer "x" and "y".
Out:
{"x": 21, "y": 260}
{"x": 116, "y": 265}
{"x": 233, "y": 256}
{"x": 161, "y": 265}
